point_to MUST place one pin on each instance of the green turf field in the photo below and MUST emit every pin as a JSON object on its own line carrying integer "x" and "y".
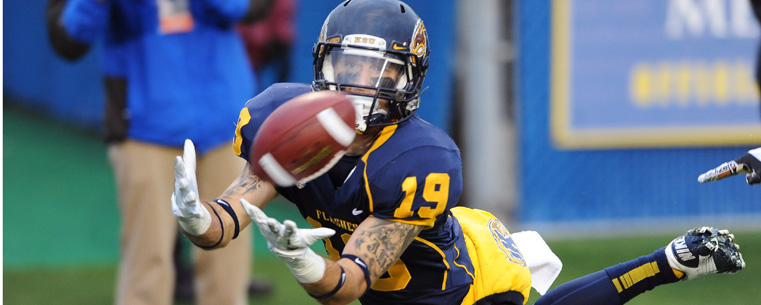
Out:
{"x": 60, "y": 230}
{"x": 93, "y": 284}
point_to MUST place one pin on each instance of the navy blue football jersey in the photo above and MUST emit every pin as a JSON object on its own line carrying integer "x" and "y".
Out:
{"x": 412, "y": 174}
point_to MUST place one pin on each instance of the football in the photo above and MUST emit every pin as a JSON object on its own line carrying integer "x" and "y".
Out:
{"x": 303, "y": 138}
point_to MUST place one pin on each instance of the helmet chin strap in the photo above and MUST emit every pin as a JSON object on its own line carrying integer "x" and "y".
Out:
{"x": 362, "y": 108}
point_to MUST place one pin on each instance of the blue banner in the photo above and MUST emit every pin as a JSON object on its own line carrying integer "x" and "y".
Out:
{"x": 654, "y": 73}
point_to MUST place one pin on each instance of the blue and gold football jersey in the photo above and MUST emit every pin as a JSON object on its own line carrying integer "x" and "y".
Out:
{"x": 412, "y": 174}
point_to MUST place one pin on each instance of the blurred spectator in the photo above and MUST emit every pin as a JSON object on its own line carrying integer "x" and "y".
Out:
{"x": 268, "y": 42}
{"x": 169, "y": 66}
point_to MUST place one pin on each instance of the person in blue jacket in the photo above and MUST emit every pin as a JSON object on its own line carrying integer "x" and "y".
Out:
{"x": 173, "y": 70}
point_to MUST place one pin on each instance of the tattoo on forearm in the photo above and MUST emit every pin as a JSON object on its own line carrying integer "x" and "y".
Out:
{"x": 383, "y": 244}
{"x": 247, "y": 182}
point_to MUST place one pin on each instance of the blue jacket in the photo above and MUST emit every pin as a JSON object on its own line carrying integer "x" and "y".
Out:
{"x": 181, "y": 85}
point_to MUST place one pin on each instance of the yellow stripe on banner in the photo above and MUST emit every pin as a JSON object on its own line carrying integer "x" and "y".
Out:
{"x": 384, "y": 136}
{"x": 443, "y": 257}
{"x": 560, "y": 70}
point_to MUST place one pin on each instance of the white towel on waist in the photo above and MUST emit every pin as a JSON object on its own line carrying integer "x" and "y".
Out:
{"x": 541, "y": 261}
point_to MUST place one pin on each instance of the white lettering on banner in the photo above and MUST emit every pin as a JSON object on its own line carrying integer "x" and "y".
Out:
{"x": 713, "y": 18}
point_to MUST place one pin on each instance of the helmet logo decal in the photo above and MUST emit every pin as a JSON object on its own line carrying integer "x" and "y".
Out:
{"x": 324, "y": 30}
{"x": 420, "y": 40}
{"x": 505, "y": 243}
{"x": 365, "y": 41}
{"x": 396, "y": 46}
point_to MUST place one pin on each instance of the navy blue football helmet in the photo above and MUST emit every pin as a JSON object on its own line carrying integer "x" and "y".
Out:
{"x": 377, "y": 51}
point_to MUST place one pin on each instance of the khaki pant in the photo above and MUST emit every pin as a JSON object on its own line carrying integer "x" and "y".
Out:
{"x": 145, "y": 179}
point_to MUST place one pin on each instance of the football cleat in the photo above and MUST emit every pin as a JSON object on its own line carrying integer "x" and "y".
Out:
{"x": 703, "y": 251}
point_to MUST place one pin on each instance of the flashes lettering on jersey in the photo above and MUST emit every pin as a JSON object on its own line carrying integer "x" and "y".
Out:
{"x": 343, "y": 224}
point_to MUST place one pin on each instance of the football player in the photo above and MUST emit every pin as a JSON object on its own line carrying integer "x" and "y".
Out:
{"x": 386, "y": 212}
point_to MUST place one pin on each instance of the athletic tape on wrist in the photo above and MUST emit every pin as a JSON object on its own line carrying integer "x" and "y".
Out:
{"x": 230, "y": 211}
{"x": 307, "y": 268}
{"x": 361, "y": 265}
{"x": 222, "y": 227}
{"x": 340, "y": 284}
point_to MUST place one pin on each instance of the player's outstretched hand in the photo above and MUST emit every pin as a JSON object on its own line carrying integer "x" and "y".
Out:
{"x": 291, "y": 244}
{"x": 749, "y": 164}
{"x": 187, "y": 208}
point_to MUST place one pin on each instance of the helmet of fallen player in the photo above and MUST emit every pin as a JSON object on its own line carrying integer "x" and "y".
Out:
{"x": 386, "y": 35}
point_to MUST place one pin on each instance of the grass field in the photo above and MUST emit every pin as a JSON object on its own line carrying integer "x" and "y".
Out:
{"x": 60, "y": 230}
{"x": 84, "y": 285}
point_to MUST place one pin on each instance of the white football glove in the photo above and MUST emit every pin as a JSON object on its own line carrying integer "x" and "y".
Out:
{"x": 291, "y": 244}
{"x": 187, "y": 208}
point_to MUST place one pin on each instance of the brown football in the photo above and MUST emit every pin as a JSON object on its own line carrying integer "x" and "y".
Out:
{"x": 303, "y": 138}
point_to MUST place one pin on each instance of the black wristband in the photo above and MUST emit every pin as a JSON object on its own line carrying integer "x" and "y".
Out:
{"x": 361, "y": 265}
{"x": 230, "y": 211}
{"x": 338, "y": 286}
{"x": 221, "y": 226}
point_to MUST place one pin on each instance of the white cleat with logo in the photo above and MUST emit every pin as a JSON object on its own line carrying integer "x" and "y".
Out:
{"x": 703, "y": 251}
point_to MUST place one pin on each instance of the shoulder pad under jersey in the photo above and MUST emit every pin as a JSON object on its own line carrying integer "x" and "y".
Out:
{"x": 258, "y": 109}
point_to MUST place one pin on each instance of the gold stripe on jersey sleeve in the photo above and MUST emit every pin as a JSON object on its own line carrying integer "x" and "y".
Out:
{"x": 243, "y": 119}
{"x": 384, "y": 136}
{"x": 425, "y": 223}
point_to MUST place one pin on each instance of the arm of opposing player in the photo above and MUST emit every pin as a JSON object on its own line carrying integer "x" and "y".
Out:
{"x": 749, "y": 164}
{"x": 378, "y": 244}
